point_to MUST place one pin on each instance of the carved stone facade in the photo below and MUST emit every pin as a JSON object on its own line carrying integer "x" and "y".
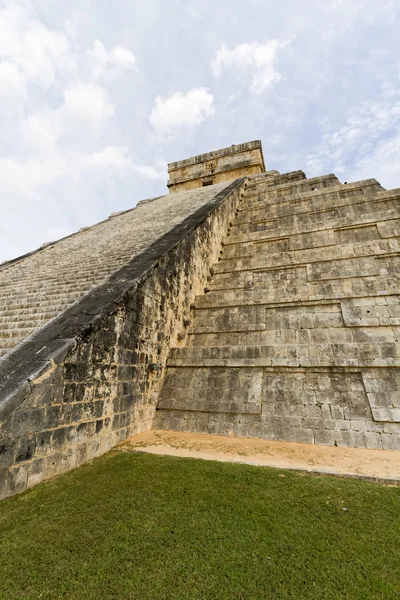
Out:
{"x": 241, "y": 160}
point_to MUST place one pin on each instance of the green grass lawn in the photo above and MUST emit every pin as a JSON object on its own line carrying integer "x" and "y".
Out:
{"x": 141, "y": 526}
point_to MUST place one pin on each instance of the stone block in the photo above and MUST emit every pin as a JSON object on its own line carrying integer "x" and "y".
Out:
{"x": 390, "y": 441}
{"x": 5, "y": 484}
{"x": 325, "y": 437}
{"x": 373, "y": 440}
{"x": 24, "y": 422}
{"x": 25, "y": 448}
{"x": 7, "y": 453}
{"x": 19, "y": 478}
{"x": 36, "y": 472}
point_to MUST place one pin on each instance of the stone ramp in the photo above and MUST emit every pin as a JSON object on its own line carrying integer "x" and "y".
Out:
{"x": 379, "y": 465}
{"x": 297, "y": 335}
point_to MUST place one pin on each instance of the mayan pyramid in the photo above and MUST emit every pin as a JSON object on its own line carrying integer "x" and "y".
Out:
{"x": 245, "y": 302}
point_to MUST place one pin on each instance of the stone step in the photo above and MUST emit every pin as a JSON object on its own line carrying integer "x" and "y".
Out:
{"x": 94, "y": 268}
{"x": 339, "y": 236}
{"x": 16, "y": 334}
{"x": 33, "y": 285}
{"x": 231, "y": 280}
{"x": 273, "y": 178}
{"x": 75, "y": 279}
{"x": 40, "y": 302}
{"x": 51, "y": 289}
{"x": 330, "y": 408}
{"x": 211, "y": 390}
{"x": 273, "y": 254}
{"x": 314, "y": 203}
{"x": 291, "y": 285}
{"x": 235, "y": 318}
{"x": 289, "y": 355}
{"x": 7, "y": 343}
{"x": 278, "y": 317}
{"x": 48, "y": 288}
{"x": 256, "y": 336}
{"x": 295, "y": 187}
{"x": 335, "y": 189}
{"x": 374, "y": 311}
{"x": 203, "y": 422}
{"x": 24, "y": 323}
{"x": 315, "y": 209}
{"x": 387, "y": 221}
{"x": 389, "y": 194}
{"x": 53, "y": 286}
{"x": 267, "y": 176}
{"x": 16, "y": 314}
{"x": 15, "y": 299}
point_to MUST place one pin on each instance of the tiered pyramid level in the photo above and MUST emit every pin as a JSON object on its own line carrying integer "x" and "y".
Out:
{"x": 297, "y": 335}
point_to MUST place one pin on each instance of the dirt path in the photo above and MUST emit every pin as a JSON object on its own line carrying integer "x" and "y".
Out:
{"x": 365, "y": 463}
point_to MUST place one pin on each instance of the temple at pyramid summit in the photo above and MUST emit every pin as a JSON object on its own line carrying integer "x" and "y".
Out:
{"x": 244, "y": 302}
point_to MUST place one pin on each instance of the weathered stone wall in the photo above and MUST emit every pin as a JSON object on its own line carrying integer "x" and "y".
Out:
{"x": 97, "y": 382}
{"x": 298, "y": 337}
{"x": 240, "y": 160}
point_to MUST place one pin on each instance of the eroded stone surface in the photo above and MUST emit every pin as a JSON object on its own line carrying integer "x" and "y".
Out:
{"x": 90, "y": 378}
{"x": 305, "y": 295}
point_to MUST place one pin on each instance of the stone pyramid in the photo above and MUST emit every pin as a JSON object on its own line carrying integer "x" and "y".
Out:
{"x": 244, "y": 303}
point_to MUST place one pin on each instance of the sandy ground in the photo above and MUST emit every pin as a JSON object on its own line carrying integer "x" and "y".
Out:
{"x": 356, "y": 462}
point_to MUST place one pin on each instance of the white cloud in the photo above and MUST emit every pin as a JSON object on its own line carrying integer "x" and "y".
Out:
{"x": 109, "y": 64}
{"x": 182, "y": 110}
{"x": 113, "y": 157}
{"x": 81, "y": 116}
{"x": 156, "y": 174}
{"x": 85, "y": 106}
{"x": 258, "y": 58}
{"x": 367, "y": 144}
{"x": 39, "y": 54}
{"x": 58, "y": 131}
{"x": 116, "y": 160}
{"x": 38, "y": 136}
{"x": 12, "y": 86}
{"x": 233, "y": 98}
{"x": 361, "y": 10}
{"x": 23, "y": 179}
{"x": 124, "y": 57}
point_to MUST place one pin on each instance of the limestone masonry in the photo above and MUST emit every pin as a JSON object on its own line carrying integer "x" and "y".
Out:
{"x": 266, "y": 306}
{"x": 239, "y": 160}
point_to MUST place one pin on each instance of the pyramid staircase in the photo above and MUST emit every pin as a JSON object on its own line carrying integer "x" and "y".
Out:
{"x": 297, "y": 336}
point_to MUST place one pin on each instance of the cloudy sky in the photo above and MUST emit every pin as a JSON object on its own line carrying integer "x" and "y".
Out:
{"x": 96, "y": 97}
